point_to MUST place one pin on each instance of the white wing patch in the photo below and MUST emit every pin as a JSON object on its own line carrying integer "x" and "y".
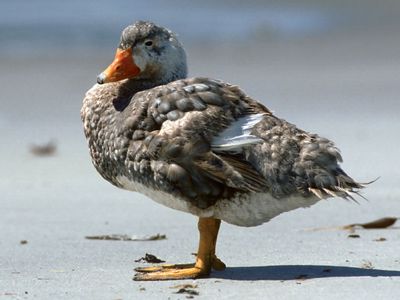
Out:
{"x": 237, "y": 135}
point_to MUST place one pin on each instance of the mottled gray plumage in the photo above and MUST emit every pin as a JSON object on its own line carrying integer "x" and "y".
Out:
{"x": 160, "y": 132}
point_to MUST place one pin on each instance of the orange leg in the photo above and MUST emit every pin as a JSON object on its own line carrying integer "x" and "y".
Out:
{"x": 206, "y": 258}
{"x": 216, "y": 263}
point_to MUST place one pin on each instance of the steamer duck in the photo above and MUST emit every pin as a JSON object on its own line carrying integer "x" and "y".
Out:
{"x": 200, "y": 145}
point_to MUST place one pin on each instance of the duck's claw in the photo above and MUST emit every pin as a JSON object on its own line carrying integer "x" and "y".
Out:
{"x": 217, "y": 264}
{"x": 163, "y": 267}
{"x": 205, "y": 261}
{"x": 170, "y": 273}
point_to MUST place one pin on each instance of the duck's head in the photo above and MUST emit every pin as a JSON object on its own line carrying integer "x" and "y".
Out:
{"x": 147, "y": 52}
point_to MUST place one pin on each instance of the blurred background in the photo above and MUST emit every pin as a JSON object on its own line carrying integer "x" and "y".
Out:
{"x": 331, "y": 67}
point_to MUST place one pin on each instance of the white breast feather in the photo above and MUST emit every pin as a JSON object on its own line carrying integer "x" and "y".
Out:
{"x": 247, "y": 210}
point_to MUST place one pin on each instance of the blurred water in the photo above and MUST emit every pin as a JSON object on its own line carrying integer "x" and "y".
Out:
{"x": 29, "y": 26}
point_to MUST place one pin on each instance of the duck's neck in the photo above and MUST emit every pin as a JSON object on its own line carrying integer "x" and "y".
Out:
{"x": 128, "y": 88}
{"x": 138, "y": 85}
{"x": 135, "y": 86}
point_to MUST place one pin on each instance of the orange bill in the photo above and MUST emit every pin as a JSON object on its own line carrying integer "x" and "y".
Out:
{"x": 122, "y": 67}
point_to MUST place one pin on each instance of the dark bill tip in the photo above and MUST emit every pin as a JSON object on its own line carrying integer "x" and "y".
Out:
{"x": 101, "y": 78}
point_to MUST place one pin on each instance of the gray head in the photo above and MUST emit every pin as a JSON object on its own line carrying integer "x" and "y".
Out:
{"x": 147, "y": 52}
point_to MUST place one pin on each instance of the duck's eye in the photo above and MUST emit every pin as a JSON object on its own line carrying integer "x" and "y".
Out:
{"x": 149, "y": 43}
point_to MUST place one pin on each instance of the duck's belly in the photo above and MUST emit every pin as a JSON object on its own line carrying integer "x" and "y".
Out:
{"x": 243, "y": 210}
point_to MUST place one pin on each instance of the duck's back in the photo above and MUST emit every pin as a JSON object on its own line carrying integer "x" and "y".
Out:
{"x": 203, "y": 142}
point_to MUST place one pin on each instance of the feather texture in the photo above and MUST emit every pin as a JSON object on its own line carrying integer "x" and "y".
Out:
{"x": 237, "y": 135}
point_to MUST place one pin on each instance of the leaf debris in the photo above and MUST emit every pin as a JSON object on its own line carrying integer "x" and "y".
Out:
{"x": 376, "y": 224}
{"x": 184, "y": 286}
{"x": 126, "y": 237}
{"x": 187, "y": 291}
{"x": 47, "y": 149}
{"x": 354, "y": 236}
{"x": 150, "y": 258}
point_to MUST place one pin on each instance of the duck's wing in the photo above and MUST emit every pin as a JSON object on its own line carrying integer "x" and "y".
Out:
{"x": 295, "y": 161}
{"x": 191, "y": 133}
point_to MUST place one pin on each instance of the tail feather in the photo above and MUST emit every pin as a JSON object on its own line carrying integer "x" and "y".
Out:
{"x": 345, "y": 188}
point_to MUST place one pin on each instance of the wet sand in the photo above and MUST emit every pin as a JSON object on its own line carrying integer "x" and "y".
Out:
{"x": 345, "y": 89}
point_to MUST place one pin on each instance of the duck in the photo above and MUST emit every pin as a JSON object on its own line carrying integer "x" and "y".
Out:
{"x": 201, "y": 146}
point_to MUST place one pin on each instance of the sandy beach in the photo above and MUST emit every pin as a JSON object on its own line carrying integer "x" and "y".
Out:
{"x": 344, "y": 87}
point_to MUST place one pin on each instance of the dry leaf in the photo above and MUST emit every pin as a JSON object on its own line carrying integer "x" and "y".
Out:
{"x": 44, "y": 150}
{"x": 184, "y": 286}
{"x": 187, "y": 291}
{"x": 377, "y": 224}
{"x": 354, "y": 236}
{"x": 125, "y": 237}
{"x": 150, "y": 258}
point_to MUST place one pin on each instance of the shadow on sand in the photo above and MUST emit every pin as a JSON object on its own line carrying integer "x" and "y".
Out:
{"x": 293, "y": 272}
